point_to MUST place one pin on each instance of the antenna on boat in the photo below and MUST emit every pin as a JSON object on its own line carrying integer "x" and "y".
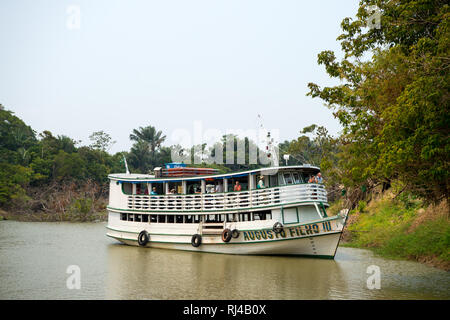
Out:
{"x": 126, "y": 164}
{"x": 270, "y": 149}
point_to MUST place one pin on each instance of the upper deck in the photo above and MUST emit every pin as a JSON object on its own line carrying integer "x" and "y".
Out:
{"x": 143, "y": 178}
{"x": 282, "y": 186}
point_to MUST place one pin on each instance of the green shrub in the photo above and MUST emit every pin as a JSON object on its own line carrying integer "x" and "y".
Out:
{"x": 362, "y": 205}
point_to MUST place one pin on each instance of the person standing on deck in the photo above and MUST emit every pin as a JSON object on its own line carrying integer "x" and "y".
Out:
{"x": 219, "y": 188}
{"x": 237, "y": 186}
{"x": 260, "y": 184}
{"x": 319, "y": 178}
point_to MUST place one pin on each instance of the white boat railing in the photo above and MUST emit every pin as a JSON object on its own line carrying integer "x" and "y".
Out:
{"x": 230, "y": 201}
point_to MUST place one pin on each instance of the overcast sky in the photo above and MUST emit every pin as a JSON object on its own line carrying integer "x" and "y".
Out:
{"x": 167, "y": 64}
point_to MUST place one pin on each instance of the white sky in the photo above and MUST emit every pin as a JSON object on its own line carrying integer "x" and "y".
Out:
{"x": 167, "y": 64}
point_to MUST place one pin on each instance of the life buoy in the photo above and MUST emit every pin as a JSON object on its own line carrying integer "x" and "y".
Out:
{"x": 226, "y": 235}
{"x": 235, "y": 233}
{"x": 196, "y": 240}
{"x": 143, "y": 238}
{"x": 277, "y": 227}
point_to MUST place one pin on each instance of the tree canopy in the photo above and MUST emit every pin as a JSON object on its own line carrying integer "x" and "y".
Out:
{"x": 393, "y": 98}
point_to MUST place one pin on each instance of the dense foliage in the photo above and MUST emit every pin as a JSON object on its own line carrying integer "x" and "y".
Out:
{"x": 393, "y": 100}
{"x": 30, "y": 162}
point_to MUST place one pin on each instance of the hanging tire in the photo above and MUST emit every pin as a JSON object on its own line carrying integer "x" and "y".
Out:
{"x": 277, "y": 227}
{"x": 196, "y": 240}
{"x": 143, "y": 238}
{"x": 226, "y": 235}
{"x": 235, "y": 233}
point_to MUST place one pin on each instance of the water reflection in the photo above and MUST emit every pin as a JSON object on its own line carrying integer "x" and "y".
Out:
{"x": 139, "y": 273}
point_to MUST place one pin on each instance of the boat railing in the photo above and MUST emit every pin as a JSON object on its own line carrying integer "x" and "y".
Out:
{"x": 251, "y": 199}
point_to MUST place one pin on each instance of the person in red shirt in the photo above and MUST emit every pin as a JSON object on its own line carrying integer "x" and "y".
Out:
{"x": 237, "y": 186}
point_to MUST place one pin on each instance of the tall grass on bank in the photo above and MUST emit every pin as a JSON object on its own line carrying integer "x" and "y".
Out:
{"x": 402, "y": 229}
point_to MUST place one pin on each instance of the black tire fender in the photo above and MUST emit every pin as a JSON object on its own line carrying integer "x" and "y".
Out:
{"x": 235, "y": 233}
{"x": 226, "y": 235}
{"x": 143, "y": 238}
{"x": 277, "y": 227}
{"x": 196, "y": 240}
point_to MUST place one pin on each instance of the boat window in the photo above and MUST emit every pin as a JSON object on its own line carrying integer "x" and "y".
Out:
{"x": 262, "y": 215}
{"x": 197, "y": 219}
{"x": 127, "y": 188}
{"x": 141, "y": 188}
{"x": 170, "y": 219}
{"x": 281, "y": 178}
{"x": 162, "y": 218}
{"x": 130, "y": 217}
{"x": 179, "y": 219}
{"x": 288, "y": 178}
{"x": 273, "y": 181}
{"x": 158, "y": 188}
{"x": 188, "y": 219}
{"x": 123, "y": 216}
{"x": 137, "y": 217}
{"x": 296, "y": 178}
{"x": 145, "y": 218}
{"x": 153, "y": 218}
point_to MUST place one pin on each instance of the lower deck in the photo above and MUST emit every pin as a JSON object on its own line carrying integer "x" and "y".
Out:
{"x": 300, "y": 230}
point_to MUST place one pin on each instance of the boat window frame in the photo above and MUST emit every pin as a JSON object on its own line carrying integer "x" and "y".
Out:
{"x": 290, "y": 177}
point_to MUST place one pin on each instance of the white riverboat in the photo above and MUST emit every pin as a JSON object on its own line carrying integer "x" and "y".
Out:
{"x": 276, "y": 212}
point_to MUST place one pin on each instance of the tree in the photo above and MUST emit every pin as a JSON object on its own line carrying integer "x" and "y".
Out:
{"x": 150, "y": 135}
{"x": 101, "y": 141}
{"x": 312, "y": 150}
{"x": 393, "y": 105}
{"x": 148, "y": 144}
{"x": 140, "y": 157}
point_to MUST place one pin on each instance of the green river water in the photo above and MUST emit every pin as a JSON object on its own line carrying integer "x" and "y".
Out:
{"x": 34, "y": 257}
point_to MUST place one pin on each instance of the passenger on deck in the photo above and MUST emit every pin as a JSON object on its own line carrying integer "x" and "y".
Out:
{"x": 312, "y": 179}
{"x": 219, "y": 187}
{"x": 154, "y": 193}
{"x": 319, "y": 178}
{"x": 260, "y": 184}
{"x": 237, "y": 186}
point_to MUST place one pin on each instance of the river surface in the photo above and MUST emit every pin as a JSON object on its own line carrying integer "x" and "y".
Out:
{"x": 35, "y": 256}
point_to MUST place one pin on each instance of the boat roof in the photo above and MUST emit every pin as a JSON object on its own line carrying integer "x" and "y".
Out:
{"x": 138, "y": 178}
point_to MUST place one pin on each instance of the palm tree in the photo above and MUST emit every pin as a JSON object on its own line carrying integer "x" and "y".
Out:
{"x": 140, "y": 157}
{"x": 151, "y": 138}
{"x": 150, "y": 135}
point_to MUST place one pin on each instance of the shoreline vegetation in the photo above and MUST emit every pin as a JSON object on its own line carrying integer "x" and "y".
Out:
{"x": 400, "y": 228}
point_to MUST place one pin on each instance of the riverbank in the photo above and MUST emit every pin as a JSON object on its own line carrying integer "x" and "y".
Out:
{"x": 59, "y": 202}
{"x": 401, "y": 229}
{"x": 54, "y": 216}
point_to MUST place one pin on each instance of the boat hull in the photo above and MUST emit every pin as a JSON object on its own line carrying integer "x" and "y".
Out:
{"x": 315, "y": 245}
